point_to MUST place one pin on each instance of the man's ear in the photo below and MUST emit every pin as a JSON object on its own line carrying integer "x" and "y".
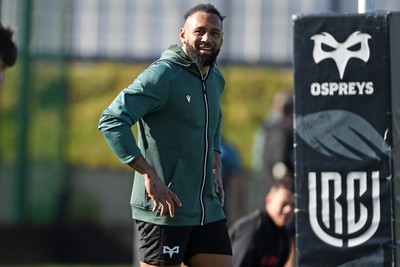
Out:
{"x": 182, "y": 35}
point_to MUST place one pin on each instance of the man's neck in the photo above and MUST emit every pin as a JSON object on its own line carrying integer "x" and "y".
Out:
{"x": 204, "y": 70}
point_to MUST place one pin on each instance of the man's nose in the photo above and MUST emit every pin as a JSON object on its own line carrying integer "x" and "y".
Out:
{"x": 206, "y": 37}
{"x": 288, "y": 209}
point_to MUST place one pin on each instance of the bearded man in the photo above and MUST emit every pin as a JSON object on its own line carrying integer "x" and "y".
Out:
{"x": 177, "y": 194}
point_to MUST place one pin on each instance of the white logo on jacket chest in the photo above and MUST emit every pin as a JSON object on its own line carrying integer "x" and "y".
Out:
{"x": 188, "y": 97}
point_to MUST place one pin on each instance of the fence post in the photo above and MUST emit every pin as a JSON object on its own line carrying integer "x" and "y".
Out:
{"x": 22, "y": 162}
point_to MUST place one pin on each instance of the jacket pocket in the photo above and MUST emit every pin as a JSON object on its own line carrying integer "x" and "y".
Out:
{"x": 164, "y": 160}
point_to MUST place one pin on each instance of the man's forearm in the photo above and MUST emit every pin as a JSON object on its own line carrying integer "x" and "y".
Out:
{"x": 140, "y": 165}
{"x": 217, "y": 160}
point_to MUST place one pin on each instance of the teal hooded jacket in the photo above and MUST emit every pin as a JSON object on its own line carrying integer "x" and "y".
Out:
{"x": 178, "y": 114}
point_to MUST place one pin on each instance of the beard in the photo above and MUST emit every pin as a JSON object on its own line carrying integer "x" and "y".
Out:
{"x": 199, "y": 59}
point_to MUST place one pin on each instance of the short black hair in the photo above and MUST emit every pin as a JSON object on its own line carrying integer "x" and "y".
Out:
{"x": 286, "y": 183}
{"x": 8, "y": 49}
{"x": 207, "y": 8}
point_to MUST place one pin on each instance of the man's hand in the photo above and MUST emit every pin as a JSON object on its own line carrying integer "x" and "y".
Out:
{"x": 161, "y": 195}
{"x": 156, "y": 188}
{"x": 219, "y": 188}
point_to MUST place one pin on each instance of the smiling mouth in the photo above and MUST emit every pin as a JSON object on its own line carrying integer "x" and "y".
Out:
{"x": 206, "y": 49}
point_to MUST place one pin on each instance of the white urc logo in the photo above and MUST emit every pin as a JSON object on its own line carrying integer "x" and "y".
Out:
{"x": 170, "y": 251}
{"x": 355, "y": 226}
{"x": 341, "y": 53}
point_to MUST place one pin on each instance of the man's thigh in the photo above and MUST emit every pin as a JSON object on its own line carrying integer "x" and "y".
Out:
{"x": 204, "y": 246}
{"x": 207, "y": 260}
{"x": 162, "y": 245}
{"x": 209, "y": 243}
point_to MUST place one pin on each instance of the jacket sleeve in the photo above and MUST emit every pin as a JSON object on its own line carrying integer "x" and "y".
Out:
{"x": 146, "y": 94}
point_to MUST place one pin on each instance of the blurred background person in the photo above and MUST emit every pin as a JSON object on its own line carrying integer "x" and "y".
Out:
{"x": 233, "y": 178}
{"x": 8, "y": 51}
{"x": 273, "y": 146}
{"x": 261, "y": 237}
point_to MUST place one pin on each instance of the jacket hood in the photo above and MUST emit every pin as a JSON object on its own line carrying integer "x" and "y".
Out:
{"x": 175, "y": 54}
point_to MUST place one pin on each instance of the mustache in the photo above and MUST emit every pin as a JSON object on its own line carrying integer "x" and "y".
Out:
{"x": 205, "y": 45}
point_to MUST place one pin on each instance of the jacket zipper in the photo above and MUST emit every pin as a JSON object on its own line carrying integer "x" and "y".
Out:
{"x": 206, "y": 150}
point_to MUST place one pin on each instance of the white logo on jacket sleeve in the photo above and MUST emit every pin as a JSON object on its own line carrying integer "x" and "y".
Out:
{"x": 170, "y": 251}
{"x": 341, "y": 52}
{"x": 188, "y": 97}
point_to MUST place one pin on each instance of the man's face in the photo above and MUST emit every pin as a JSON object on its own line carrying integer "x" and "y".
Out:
{"x": 280, "y": 206}
{"x": 201, "y": 38}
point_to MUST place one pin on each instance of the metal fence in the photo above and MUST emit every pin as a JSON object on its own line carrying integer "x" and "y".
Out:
{"x": 256, "y": 31}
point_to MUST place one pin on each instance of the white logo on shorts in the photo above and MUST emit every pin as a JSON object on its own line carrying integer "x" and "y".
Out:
{"x": 170, "y": 251}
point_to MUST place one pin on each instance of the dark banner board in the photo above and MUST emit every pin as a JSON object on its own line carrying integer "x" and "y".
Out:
{"x": 347, "y": 127}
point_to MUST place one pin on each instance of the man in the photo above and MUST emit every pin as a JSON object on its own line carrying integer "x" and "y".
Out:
{"x": 233, "y": 180}
{"x": 278, "y": 156}
{"x": 260, "y": 238}
{"x": 8, "y": 51}
{"x": 273, "y": 146}
{"x": 277, "y": 145}
{"x": 177, "y": 195}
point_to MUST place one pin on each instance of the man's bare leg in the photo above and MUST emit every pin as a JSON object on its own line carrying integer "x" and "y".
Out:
{"x": 209, "y": 260}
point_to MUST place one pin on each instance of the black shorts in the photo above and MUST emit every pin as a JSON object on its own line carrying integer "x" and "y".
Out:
{"x": 172, "y": 245}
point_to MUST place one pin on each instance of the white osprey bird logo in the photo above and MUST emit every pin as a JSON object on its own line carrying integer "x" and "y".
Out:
{"x": 170, "y": 251}
{"x": 341, "y": 52}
